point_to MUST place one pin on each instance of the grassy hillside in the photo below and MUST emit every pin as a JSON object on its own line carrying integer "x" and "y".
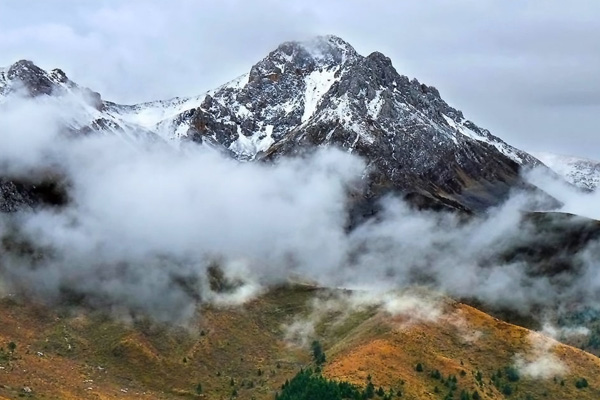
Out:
{"x": 250, "y": 351}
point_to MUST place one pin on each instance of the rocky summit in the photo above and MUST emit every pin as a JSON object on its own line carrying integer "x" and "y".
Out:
{"x": 310, "y": 94}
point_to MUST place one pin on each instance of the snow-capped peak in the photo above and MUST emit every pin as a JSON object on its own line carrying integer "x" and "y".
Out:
{"x": 321, "y": 92}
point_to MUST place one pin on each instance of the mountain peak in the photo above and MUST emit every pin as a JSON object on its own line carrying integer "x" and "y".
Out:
{"x": 380, "y": 58}
{"x": 328, "y": 47}
{"x": 35, "y": 80}
{"x": 23, "y": 65}
{"x": 307, "y": 55}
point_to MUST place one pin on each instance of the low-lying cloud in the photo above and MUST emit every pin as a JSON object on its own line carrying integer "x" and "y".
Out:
{"x": 146, "y": 223}
{"x": 540, "y": 362}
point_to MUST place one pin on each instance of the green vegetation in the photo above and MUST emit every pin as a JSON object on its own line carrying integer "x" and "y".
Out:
{"x": 308, "y": 385}
{"x": 503, "y": 378}
{"x": 451, "y": 382}
{"x": 479, "y": 379}
{"x": 318, "y": 354}
{"x": 6, "y": 356}
{"x": 512, "y": 374}
{"x": 419, "y": 367}
{"x": 581, "y": 383}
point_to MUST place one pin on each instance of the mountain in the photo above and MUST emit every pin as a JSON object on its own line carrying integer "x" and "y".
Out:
{"x": 581, "y": 172}
{"x": 413, "y": 343}
{"x": 311, "y": 94}
{"x": 321, "y": 93}
{"x": 83, "y": 110}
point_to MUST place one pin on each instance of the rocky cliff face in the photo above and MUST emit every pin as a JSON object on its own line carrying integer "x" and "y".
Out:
{"x": 320, "y": 93}
{"x": 13, "y": 196}
{"x": 18, "y": 194}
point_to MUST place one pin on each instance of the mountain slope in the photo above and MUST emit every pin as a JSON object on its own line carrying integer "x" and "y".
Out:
{"x": 581, "y": 172}
{"x": 70, "y": 353}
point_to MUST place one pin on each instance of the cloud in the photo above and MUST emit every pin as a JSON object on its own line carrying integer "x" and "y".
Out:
{"x": 573, "y": 199}
{"x": 144, "y": 220}
{"x": 146, "y": 224}
{"x": 329, "y": 310}
{"x": 561, "y": 333}
{"x": 540, "y": 362}
{"x": 26, "y": 138}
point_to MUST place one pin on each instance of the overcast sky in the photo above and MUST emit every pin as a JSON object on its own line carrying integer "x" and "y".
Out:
{"x": 529, "y": 71}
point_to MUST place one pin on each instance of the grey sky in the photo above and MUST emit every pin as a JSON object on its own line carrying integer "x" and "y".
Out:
{"x": 528, "y": 71}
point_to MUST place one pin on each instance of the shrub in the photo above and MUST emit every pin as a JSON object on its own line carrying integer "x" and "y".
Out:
{"x": 479, "y": 377}
{"x": 318, "y": 354}
{"x": 581, "y": 383}
{"x": 419, "y": 367}
{"x": 512, "y": 374}
{"x": 370, "y": 391}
